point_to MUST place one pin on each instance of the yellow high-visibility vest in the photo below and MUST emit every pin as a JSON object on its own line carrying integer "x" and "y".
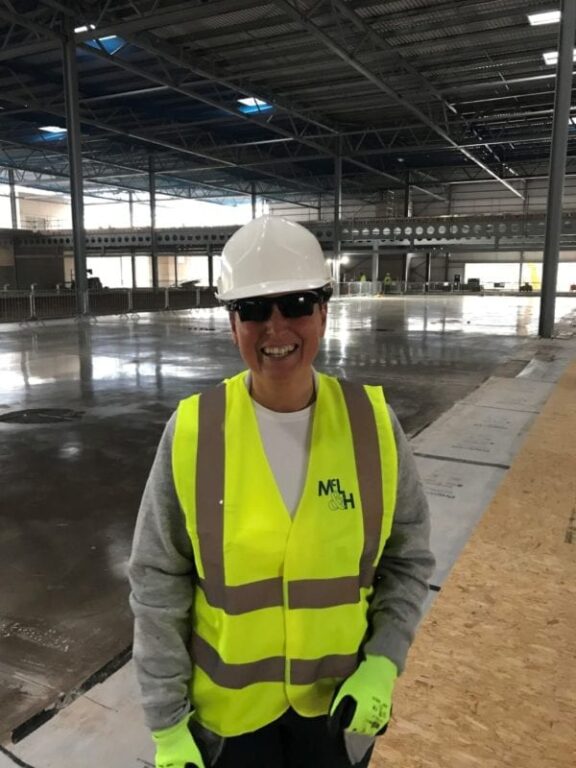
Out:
{"x": 280, "y": 608}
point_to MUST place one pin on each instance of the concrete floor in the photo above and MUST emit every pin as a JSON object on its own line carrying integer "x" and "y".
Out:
{"x": 70, "y": 489}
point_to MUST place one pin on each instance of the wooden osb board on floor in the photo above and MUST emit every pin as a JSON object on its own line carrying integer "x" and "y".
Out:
{"x": 491, "y": 680}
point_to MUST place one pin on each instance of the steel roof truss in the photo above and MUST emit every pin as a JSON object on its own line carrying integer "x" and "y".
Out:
{"x": 339, "y": 48}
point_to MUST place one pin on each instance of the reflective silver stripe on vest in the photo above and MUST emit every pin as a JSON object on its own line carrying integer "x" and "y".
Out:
{"x": 308, "y": 671}
{"x": 245, "y": 597}
{"x": 210, "y": 516}
{"x": 369, "y": 470}
{"x": 210, "y": 490}
{"x": 271, "y": 670}
{"x": 323, "y": 593}
{"x": 306, "y": 593}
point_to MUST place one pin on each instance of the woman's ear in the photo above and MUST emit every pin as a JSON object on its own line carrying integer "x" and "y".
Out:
{"x": 323, "y": 316}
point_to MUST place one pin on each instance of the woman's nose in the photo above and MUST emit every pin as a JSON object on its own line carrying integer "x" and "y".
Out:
{"x": 276, "y": 319}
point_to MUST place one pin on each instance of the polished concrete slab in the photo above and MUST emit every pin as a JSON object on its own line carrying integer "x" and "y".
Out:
{"x": 70, "y": 489}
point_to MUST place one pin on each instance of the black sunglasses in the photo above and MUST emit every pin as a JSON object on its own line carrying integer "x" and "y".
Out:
{"x": 259, "y": 309}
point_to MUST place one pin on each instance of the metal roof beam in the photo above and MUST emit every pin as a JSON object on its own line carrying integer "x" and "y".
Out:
{"x": 376, "y": 80}
{"x": 29, "y": 99}
{"x": 117, "y": 61}
{"x": 276, "y": 129}
{"x": 183, "y": 60}
{"x": 188, "y": 188}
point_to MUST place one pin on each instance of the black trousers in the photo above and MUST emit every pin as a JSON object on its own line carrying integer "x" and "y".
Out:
{"x": 290, "y": 742}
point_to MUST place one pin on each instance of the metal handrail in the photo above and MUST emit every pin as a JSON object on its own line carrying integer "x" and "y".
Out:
{"x": 37, "y": 305}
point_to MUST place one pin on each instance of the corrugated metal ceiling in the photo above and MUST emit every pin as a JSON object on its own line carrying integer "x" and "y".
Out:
{"x": 330, "y": 68}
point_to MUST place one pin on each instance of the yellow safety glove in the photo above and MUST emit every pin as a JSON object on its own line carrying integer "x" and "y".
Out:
{"x": 176, "y": 748}
{"x": 363, "y": 703}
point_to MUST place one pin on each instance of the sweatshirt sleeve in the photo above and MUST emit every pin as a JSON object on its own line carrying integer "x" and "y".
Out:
{"x": 405, "y": 566}
{"x": 161, "y": 573}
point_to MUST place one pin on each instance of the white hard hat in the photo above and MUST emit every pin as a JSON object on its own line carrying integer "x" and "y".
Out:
{"x": 271, "y": 255}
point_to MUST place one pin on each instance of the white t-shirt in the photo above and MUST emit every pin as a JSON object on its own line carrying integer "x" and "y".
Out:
{"x": 286, "y": 440}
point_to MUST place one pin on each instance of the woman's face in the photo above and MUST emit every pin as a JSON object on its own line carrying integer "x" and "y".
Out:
{"x": 280, "y": 348}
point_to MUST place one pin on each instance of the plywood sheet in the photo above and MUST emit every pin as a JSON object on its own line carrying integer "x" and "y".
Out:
{"x": 535, "y": 509}
{"x": 491, "y": 681}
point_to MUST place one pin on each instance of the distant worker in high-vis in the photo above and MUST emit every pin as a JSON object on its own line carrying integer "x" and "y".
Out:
{"x": 281, "y": 553}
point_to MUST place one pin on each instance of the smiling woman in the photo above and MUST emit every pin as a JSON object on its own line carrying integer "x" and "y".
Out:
{"x": 281, "y": 554}
{"x": 277, "y": 332}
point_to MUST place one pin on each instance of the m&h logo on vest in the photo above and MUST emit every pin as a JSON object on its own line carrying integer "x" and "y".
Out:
{"x": 339, "y": 499}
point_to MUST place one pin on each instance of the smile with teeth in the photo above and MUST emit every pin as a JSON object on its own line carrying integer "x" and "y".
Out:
{"x": 278, "y": 352}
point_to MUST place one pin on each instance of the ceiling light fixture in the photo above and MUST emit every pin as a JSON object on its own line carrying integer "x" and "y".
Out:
{"x": 548, "y": 17}
{"x": 85, "y": 28}
{"x": 551, "y": 57}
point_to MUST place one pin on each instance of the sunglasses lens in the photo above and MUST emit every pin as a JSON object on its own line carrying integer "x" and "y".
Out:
{"x": 291, "y": 305}
{"x": 255, "y": 310}
{"x": 297, "y": 304}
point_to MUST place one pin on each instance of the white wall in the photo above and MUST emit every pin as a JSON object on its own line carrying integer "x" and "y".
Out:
{"x": 116, "y": 271}
{"x": 488, "y": 274}
{"x": 492, "y": 197}
{"x": 5, "y": 210}
{"x": 43, "y": 212}
{"x": 169, "y": 213}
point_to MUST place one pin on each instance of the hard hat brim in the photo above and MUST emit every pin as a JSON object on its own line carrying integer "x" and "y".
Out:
{"x": 272, "y": 287}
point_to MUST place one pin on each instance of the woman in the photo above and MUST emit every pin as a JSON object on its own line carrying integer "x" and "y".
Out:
{"x": 281, "y": 555}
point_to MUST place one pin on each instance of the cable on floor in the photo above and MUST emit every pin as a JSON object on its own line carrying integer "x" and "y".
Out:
{"x": 15, "y": 760}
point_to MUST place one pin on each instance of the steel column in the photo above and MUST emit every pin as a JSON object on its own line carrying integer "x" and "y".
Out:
{"x": 408, "y": 211}
{"x": 13, "y": 202}
{"x": 131, "y": 208}
{"x": 375, "y": 265}
{"x": 407, "y": 197}
{"x": 210, "y": 266}
{"x": 153, "y": 250}
{"x": 133, "y": 266}
{"x": 525, "y": 209}
{"x": 74, "y": 140}
{"x": 337, "y": 214}
{"x": 406, "y": 263}
{"x": 557, "y": 168}
{"x": 253, "y": 198}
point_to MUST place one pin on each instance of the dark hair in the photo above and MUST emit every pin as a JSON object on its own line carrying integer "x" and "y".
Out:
{"x": 325, "y": 292}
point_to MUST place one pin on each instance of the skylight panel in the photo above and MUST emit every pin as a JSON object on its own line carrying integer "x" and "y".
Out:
{"x": 251, "y": 101}
{"x": 252, "y": 105}
{"x": 548, "y": 17}
{"x": 110, "y": 43}
{"x": 52, "y": 129}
